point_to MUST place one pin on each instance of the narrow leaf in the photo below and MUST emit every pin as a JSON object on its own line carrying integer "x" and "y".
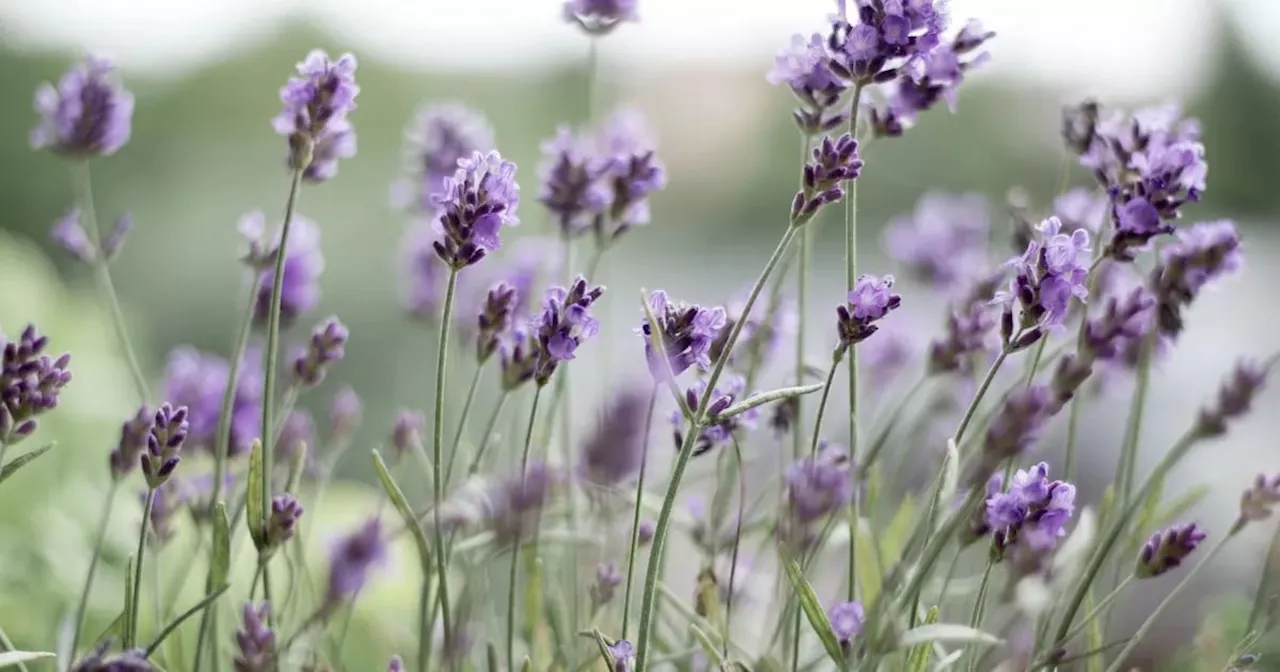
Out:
{"x": 950, "y": 660}
{"x": 220, "y": 562}
{"x": 814, "y": 613}
{"x": 177, "y": 622}
{"x": 10, "y": 658}
{"x": 712, "y": 651}
{"x": 919, "y": 660}
{"x": 253, "y": 496}
{"x": 23, "y": 460}
{"x": 406, "y": 512}
{"x": 767, "y": 398}
{"x": 111, "y": 631}
{"x": 945, "y": 632}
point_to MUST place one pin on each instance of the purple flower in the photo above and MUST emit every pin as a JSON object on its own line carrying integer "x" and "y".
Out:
{"x": 405, "y": 433}
{"x": 325, "y": 347}
{"x": 198, "y": 381}
{"x": 1235, "y": 398}
{"x": 497, "y": 314}
{"x": 806, "y": 67}
{"x": 1015, "y": 426}
{"x": 615, "y": 451}
{"x": 437, "y": 138}
{"x": 518, "y": 352}
{"x": 1202, "y": 253}
{"x": 719, "y": 430}
{"x": 686, "y": 332}
{"x": 623, "y": 656}
{"x": 835, "y": 162}
{"x": 926, "y": 79}
{"x": 967, "y": 335}
{"x": 1123, "y": 321}
{"x": 1034, "y": 511}
{"x": 133, "y": 660}
{"x": 350, "y": 562}
{"x": 69, "y": 234}
{"x": 344, "y": 413}
{"x": 164, "y": 445}
{"x": 1137, "y": 222}
{"x": 573, "y": 186}
{"x": 395, "y": 664}
{"x": 884, "y": 359}
{"x": 515, "y": 505}
{"x": 282, "y": 520}
{"x": 600, "y": 17}
{"x": 86, "y": 115}
{"x": 645, "y": 534}
{"x": 816, "y": 487}
{"x": 300, "y": 284}
{"x": 944, "y": 240}
{"x": 882, "y": 38}
{"x": 1260, "y": 499}
{"x": 1166, "y": 550}
{"x": 870, "y": 300}
{"x": 607, "y": 581}
{"x": 1054, "y": 269}
{"x": 168, "y": 501}
{"x": 255, "y": 641}
{"x": 134, "y": 434}
{"x": 632, "y": 172}
{"x": 30, "y": 382}
{"x": 314, "y": 118}
{"x": 474, "y": 205}
{"x": 295, "y": 435}
{"x": 566, "y": 322}
{"x": 114, "y": 240}
{"x": 846, "y": 620}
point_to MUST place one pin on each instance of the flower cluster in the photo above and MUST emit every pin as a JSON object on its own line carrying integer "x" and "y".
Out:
{"x": 944, "y": 240}
{"x": 868, "y": 303}
{"x": 1166, "y": 550}
{"x": 1034, "y": 510}
{"x": 86, "y": 114}
{"x": 817, "y": 486}
{"x": 350, "y": 562}
{"x": 564, "y": 324}
{"x": 437, "y": 138}
{"x": 133, "y": 660}
{"x": 572, "y": 184}
{"x": 600, "y": 17}
{"x": 846, "y": 621}
{"x": 835, "y": 163}
{"x": 686, "y": 333}
{"x": 497, "y": 314}
{"x": 406, "y": 431}
{"x": 134, "y": 432}
{"x": 1259, "y": 501}
{"x": 1235, "y": 397}
{"x": 1015, "y": 426}
{"x": 30, "y": 382}
{"x": 1054, "y": 268}
{"x": 282, "y": 520}
{"x": 300, "y": 284}
{"x": 314, "y": 118}
{"x": 616, "y": 450}
{"x": 69, "y": 234}
{"x": 474, "y": 204}
{"x": 1203, "y": 253}
{"x": 255, "y": 641}
{"x": 198, "y": 381}
{"x": 720, "y": 429}
{"x": 326, "y": 346}
{"x": 805, "y": 66}
{"x": 164, "y": 444}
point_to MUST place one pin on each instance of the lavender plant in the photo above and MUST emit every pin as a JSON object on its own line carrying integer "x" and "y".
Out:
{"x": 874, "y": 70}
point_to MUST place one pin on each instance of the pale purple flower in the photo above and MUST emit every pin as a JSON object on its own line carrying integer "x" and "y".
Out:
{"x": 134, "y": 433}
{"x": 395, "y": 664}
{"x": 515, "y": 505}
{"x": 519, "y": 353}
{"x": 198, "y": 380}
{"x": 846, "y": 620}
{"x": 1082, "y": 208}
{"x": 113, "y": 242}
{"x": 600, "y": 17}
{"x": 720, "y": 430}
{"x": 474, "y": 204}
{"x": 30, "y": 383}
{"x": 314, "y": 118}
{"x": 497, "y": 314}
{"x": 925, "y": 80}
{"x": 1235, "y": 398}
{"x": 168, "y": 502}
{"x": 881, "y": 38}
{"x": 1053, "y": 270}
{"x": 1137, "y": 223}
{"x": 1167, "y": 549}
{"x": 615, "y": 451}
{"x": 623, "y": 656}
{"x": 573, "y": 184}
{"x": 133, "y": 660}
{"x": 437, "y": 137}
{"x": 1034, "y": 510}
{"x": 345, "y": 412}
{"x": 884, "y": 359}
{"x": 1202, "y": 254}
{"x": 944, "y": 240}
{"x": 69, "y": 234}
{"x": 282, "y": 519}
{"x": 325, "y": 347}
{"x": 255, "y": 641}
{"x": 87, "y": 114}
{"x": 607, "y": 581}
{"x": 350, "y": 562}
{"x": 300, "y": 284}
{"x": 805, "y": 66}
{"x": 164, "y": 444}
{"x": 406, "y": 431}
{"x": 872, "y": 298}
{"x": 968, "y": 335}
{"x": 632, "y": 172}
{"x": 817, "y": 486}
{"x": 1259, "y": 501}
{"x": 1124, "y": 321}
{"x": 565, "y": 323}
{"x": 686, "y": 332}
{"x": 1015, "y": 426}
{"x": 835, "y": 163}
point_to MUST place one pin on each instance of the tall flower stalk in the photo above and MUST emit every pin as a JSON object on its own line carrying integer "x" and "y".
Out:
{"x": 437, "y": 465}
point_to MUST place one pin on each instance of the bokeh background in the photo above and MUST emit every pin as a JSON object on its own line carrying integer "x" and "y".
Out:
{"x": 206, "y": 73}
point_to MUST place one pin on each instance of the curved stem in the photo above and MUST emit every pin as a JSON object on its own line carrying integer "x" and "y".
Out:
{"x": 437, "y": 494}
{"x": 686, "y": 451}
{"x": 980, "y": 602}
{"x": 733, "y": 558}
{"x": 84, "y": 194}
{"x": 635, "y": 516}
{"x": 1118, "y": 663}
{"x": 137, "y": 570}
{"x": 462, "y": 421}
{"x": 836, "y": 358}
{"x": 103, "y": 523}
{"x": 222, "y": 439}
{"x": 802, "y": 305}
{"x": 1101, "y": 607}
{"x": 982, "y": 391}
{"x": 515, "y": 546}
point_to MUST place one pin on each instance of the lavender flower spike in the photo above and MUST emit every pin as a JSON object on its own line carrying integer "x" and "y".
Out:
{"x": 1202, "y": 254}
{"x": 720, "y": 430}
{"x": 1166, "y": 550}
{"x": 687, "y": 333}
{"x": 255, "y": 641}
{"x": 1054, "y": 268}
{"x": 1235, "y": 398}
{"x": 600, "y": 17}
{"x": 282, "y": 521}
{"x": 806, "y": 67}
{"x": 870, "y": 300}
{"x": 300, "y": 287}
{"x": 514, "y": 506}
{"x": 573, "y": 187}
{"x": 30, "y": 383}
{"x": 497, "y": 314}
{"x": 846, "y": 620}
{"x": 314, "y": 118}
{"x": 86, "y": 115}
{"x": 632, "y": 173}
{"x": 405, "y": 434}
{"x": 164, "y": 445}
{"x": 436, "y": 139}
{"x": 198, "y": 380}
{"x": 1260, "y": 500}
{"x": 350, "y": 562}
{"x": 615, "y": 451}
{"x": 566, "y": 322}
{"x": 133, "y": 660}
{"x": 325, "y": 347}
{"x": 835, "y": 162}
{"x": 607, "y": 581}
{"x": 623, "y": 656}
{"x": 69, "y": 234}
{"x": 134, "y": 434}
{"x": 944, "y": 240}
{"x": 344, "y": 412}
{"x": 474, "y": 205}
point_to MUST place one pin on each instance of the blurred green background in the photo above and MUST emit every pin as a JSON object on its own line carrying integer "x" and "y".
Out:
{"x": 203, "y": 153}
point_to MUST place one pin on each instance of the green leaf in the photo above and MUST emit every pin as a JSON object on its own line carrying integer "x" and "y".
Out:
{"x": 254, "y": 517}
{"x": 945, "y": 632}
{"x": 919, "y": 660}
{"x": 23, "y": 460}
{"x": 769, "y": 397}
{"x": 111, "y": 630}
{"x": 10, "y": 658}
{"x": 814, "y": 613}
{"x": 712, "y": 651}
{"x": 127, "y": 634}
{"x": 406, "y": 512}
{"x": 220, "y": 562}
{"x": 177, "y": 622}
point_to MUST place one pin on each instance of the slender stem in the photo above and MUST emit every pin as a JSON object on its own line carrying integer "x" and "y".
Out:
{"x": 84, "y": 193}
{"x": 222, "y": 439}
{"x": 1115, "y": 529}
{"x": 177, "y": 622}
{"x": 686, "y": 451}
{"x": 635, "y": 516}
{"x": 1101, "y": 607}
{"x": 437, "y": 443}
{"x": 462, "y": 421}
{"x": 83, "y": 608}
{"x": 882, "y": 437}
{"x": 802, "y": 306}
{"x": 980, "y": 602}
{"x": 982, "y": 391}
{"x": 1073, "y": 420}
{"x": 733, "y": 558}
{"x": 137, "y": 569}
{"x": 515, "y": 546}
{"x": 1133, "y": 428}
{"x": 486, "y": 437}
{"x": 593, "y": 68}
{"x": 425, "y": 618}
{"x": 850, "y": 277}
{"x": 1118, "y": 663}
{"x": 822, "y": 404}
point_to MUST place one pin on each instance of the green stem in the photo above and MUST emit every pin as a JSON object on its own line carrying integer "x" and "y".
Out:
{"x": 982, "y": 391}
{"x": 487, "y": 436}
{"x": 980, "y": 603}
{"x": 850, "y": 278}
{"x": 177, "y": 622}
{"x": 437, "y": 443}
{"x": 1115, "y": 529}
{"x": 1073, "y": 420}
{"x": 1133, "y": 428}
{"x": 462, "y": 421}
{"x": 515, "y": 546}
{"x": 635, "y": 516}
{"x": 1101, "y": 607}
{"x": 882, "y": 437}
{"x": 84, "y": 194}
{"x": 1118, "y": 663}
{"x": 132, "y": 617}
{"x": 836, "y": 358}
{"x": 686, "y": 451}
{"x": 802, "y": 304}
{"x": 83, "y": 609}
